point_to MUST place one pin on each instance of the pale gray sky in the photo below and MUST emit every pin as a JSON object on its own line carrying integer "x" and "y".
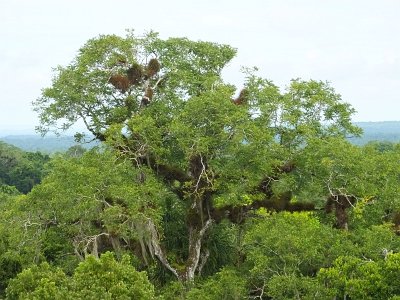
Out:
{"x": 353, "y": 44}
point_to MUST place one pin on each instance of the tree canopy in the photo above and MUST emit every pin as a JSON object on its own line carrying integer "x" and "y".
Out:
{"x": 216, "y": 191}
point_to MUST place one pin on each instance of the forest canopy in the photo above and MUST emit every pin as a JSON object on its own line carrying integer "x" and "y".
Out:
{"x": 200, "y": 189}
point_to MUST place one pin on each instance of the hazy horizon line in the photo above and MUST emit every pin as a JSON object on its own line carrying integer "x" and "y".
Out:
{"x": 31, "y": 131}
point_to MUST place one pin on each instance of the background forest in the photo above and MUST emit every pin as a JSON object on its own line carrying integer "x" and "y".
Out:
{"x": 383, "y": 132}
{"x": 198, "y": 189}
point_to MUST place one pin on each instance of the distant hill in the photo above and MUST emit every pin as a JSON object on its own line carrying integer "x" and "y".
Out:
{"x": 47, "y": 144}
{"x": 388, "y": 131}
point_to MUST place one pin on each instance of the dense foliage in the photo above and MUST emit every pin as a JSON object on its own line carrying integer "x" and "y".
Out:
{"x": 200, "y": 191}
{"x": 19, "y": 169}
{"x": 102, "y": 278}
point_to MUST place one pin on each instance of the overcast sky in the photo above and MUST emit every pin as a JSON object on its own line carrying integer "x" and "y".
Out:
{"x": 353, "y": 44}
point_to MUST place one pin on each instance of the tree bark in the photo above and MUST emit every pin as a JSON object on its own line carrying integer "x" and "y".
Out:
{"x": 195, "y": 240}
{"x": 156, "y": 249}
{"x": 340, "y": 203}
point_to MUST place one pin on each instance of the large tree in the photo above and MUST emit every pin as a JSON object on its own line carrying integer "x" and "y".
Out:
{"x": 163, "y": 105}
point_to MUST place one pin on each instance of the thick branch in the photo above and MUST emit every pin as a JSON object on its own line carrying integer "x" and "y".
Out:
{"x": 156, "y": 248}
{"x": 98, "y": 135}
{"x": 237, "y": 214}
{"x": 168, "y": 172}
{"x": 195, "y": 240}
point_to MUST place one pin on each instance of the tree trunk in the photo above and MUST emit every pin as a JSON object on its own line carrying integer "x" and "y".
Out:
{"x": 198, "y": 216}
{"x": 195, "y": 240}
{"x": 196, "y": 235}
{"x": 341, "y": 216}
{"x": 340, "y": 203}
